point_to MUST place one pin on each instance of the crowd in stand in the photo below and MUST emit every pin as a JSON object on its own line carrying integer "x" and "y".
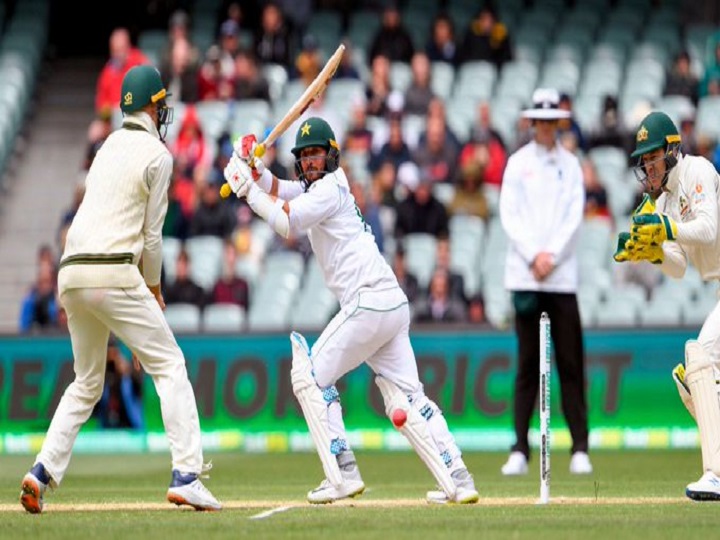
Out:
{"x": 394, "y": 171}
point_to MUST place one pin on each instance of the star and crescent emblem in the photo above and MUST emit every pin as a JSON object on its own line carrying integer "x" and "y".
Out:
{"x": 305, "y": 129}
{"x": 642, "y": 134}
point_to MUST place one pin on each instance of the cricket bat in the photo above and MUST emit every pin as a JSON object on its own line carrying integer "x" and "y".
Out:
{"x": 311, "y": 93}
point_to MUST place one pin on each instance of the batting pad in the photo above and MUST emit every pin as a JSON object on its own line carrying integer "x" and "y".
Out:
{"x": 415, "y": 430}
{"x": 700, "y": 379}
{"x": 678, "y": 375}
{"x": 314, "y": 406}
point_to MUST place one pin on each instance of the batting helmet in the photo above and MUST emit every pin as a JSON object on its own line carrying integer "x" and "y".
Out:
{"x": 316, "y": 132}
{"x": 143, "y": 86}
{"x": 656, "y": 131}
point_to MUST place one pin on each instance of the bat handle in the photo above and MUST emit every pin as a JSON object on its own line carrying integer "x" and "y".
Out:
{"x": 259, "y": 150}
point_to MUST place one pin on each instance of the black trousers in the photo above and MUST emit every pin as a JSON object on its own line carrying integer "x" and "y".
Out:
{"x": 569, "y": 360}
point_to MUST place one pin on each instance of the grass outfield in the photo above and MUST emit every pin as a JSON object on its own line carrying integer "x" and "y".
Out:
{"x": 632, "y": 494}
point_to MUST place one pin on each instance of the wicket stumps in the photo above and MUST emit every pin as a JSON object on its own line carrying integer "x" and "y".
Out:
{"x": 545, "y": 370}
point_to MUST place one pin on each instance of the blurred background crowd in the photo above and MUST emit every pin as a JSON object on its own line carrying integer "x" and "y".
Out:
{"x": 426, "y": 109}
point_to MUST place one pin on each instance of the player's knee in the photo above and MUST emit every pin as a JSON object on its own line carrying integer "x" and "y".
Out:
{"x": 88, "y": 391}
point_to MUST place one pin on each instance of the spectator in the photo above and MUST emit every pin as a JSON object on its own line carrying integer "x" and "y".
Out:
{"x": 213, "y": 84}
{"x": 596, "y": 198}
{"x": 378, "y": 90}
{"x": 229, "y": 47}
{"x": 120, "y": 406}
{"x": 308, "y": 62}
{"x": 680, "y": 80}
{"x": 250, "y": 83}
{"x": 359, "y": 138}
{"x": 384, "y": 185}
{"x": 436, "y": 154}
{"x": 484, "y": 154}
{"x": 123, "y": 56}
{"x": 611, "y": 131}
{"x": 98, "y": 131}
{"x": 570, "y": 127}
{"x": 272, "y": 42}
{"x": 347, "y": 69}
{"x": 420, "y": 211}
{"x": 407, "y": 280}
{"x": 710, "y": 85}
{"x": 395, "y": 150}
{"x": 437, "y": 111}
{"x": 231, "y": 288}
{"x": 39, "y": 307}
{"x": 180, "y": 71}
{"x": 476, "y": 310}
{"x": 184, "y": 290}
{"x": 419, "y": 94}
{"x": 392, "y": 39}
{"x": 456, "y": 282}
{"x": 212, "y": 218}
{"x": 486, "y": 39}
{"x": 469, "y": 197}
{"x": 483, "y": 127}
{"x": 442, "y": 46}
{"x": 439, "y": 306}
{"x": 189, "y": 148}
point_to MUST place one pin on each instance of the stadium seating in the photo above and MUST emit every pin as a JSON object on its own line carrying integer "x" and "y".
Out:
{"x": 183, "y": 318}
{"x": 223, "y": 318}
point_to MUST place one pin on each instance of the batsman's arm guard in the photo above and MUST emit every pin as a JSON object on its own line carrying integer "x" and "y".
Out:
{"x": 314, "y": 406}
{"x": 678, "y": 375}
{"x": 272, "y": 211}
{"x": 415, "y": 430}
{"x": 700, "y": 379}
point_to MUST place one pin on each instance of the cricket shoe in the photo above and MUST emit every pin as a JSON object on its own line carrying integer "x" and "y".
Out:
{"x": 187, "y": 489}
{"x": 33, "y": 488}
{"x": 352, "y": 484}
{"x": 580, "y": 463}
{"x": 465, "y": 492}
{"x": 516, "y": 464}
{"x": 705, "y": 489}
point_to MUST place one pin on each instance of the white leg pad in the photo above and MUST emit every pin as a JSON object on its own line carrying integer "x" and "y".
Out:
{"x": 678, "y": 375}
{"x": 415, "y": 430}
{"x": 314, "y": 406}
{"x": 700, "y": 378}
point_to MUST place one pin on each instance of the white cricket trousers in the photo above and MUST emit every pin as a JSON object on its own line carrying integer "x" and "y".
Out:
{"x": 135, "y": 317}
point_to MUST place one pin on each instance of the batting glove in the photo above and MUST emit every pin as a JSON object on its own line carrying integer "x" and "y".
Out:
{"x": 245, "y": 149}
{"x": 238, "y": 175}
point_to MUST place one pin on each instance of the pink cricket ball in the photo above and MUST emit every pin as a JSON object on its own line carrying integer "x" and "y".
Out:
{"x": 399, "y": 417}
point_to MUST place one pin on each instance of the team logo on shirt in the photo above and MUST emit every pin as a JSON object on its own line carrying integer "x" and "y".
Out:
{"x": 684, "y": 207}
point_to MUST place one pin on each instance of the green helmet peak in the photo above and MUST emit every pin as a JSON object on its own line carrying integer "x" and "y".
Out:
{"x": 141, "y": 86}
{"x": 656, "y": 130}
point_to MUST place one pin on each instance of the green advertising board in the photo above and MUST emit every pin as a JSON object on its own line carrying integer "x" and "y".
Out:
{"x": 245, "y": 400}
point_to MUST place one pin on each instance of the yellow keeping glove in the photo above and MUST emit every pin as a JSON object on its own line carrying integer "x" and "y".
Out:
{"x": 646, "y": 206}
{"x": 630, "y": 250}
{"x": 653, "y": 229}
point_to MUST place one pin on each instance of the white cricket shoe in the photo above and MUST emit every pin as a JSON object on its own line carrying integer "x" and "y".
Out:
{"x": 580, "y": 463}
{"x": 32, "y": 490}
{"x": 516, "y": 464}
{"x": 187, "y": 489}
{"x": 705, "y": 489}
{"x": 352, "y": 486}
{"x": 465, "y": 492}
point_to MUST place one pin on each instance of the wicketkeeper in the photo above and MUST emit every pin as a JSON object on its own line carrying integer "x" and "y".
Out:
{"x": 372, "y": 325}
{"x": 679, "y": 222}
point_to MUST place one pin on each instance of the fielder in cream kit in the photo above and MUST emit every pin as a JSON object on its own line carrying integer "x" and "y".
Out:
{"x": 679, "y": 223}
{"x": 371, "y": 327}
{"x": 103, "y": 290}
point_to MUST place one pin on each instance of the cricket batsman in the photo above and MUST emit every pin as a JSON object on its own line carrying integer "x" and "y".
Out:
{"x": 372, "y": 326}
{"x": 681, "y": 225}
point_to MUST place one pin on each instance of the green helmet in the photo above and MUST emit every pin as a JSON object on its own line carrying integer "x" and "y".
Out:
{"x": 656, "y": 130}
{"x": 141, "y": 86}
{"x": 316, "y": 132}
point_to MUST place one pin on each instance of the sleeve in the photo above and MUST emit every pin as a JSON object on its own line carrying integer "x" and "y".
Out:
{"x": 573, "y": 216}
{"x": 312, "y": 207}
{"x": 510, "y": 217}
{"x": 158, "y": 178}
{"x": 675, "y": 260}
{"x": 701, "y": 190}
{"x": 289, "y": 189}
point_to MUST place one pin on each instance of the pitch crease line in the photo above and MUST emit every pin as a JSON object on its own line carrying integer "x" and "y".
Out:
{"x": 272, "y": 511}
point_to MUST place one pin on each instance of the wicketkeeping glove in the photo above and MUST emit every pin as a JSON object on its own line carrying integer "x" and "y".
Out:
{"x": 629, "y": 250}
{"x": 653, "y": 229}
{"x": 646, "y": 206}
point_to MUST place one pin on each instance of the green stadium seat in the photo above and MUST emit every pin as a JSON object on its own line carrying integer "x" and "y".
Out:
{"x": 206, "y": 259}
{"x": 183, "y": 318}
{"x": 223, "y": 318}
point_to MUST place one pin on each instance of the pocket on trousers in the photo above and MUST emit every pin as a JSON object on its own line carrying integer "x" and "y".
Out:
{"x": 525, "y": 302}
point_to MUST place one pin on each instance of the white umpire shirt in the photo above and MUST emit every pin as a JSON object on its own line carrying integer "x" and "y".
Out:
{"x": 542, "y": 202}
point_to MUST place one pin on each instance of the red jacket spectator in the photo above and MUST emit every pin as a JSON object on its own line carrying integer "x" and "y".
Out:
{"x": 123, "y": 56}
